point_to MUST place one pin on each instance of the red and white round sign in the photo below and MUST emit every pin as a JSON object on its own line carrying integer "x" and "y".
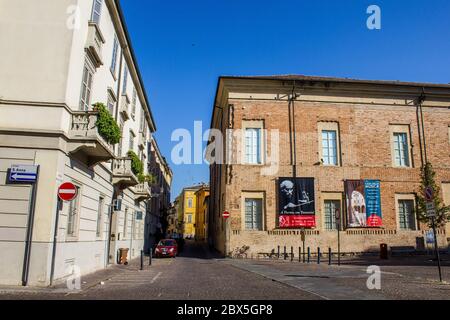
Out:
{"x": 226, "y": 214}
{"x": 67, "y": 191}
{"x": 429, "y": 193}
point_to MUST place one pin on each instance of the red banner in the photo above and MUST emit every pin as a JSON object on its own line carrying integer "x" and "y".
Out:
{"x": 374, "y": 221}
{"x": 297, "y": 221}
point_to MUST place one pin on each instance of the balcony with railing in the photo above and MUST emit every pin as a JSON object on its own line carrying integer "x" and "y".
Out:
{"x": 142, "y": 191}
{"x": 94, "y": 44}
{"x": 142, "y": 140}
{"x": 123, "y": 176}
{"x": 125, "y": 107}
{"x": 85, "y": 142}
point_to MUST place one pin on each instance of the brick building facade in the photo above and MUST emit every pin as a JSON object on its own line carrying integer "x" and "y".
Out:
{"x": 332, "y": 130}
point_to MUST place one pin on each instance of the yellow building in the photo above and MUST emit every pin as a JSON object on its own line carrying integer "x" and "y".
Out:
{"x": 201, "y": 220}
{"x": 189, "y": 210}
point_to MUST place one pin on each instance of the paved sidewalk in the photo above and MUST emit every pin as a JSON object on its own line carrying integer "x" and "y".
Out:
{"x": 400, "y": 279}
{"x": 86, "y": 282}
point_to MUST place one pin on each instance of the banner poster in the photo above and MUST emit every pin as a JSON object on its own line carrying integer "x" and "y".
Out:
{"x": 363, "y": 203}
{"x": 296, "y": 206}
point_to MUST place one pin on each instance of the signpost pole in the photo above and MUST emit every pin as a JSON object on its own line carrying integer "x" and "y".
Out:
{"x": 29, "y": 237}
{"x": 436, "y": 248}
{"x": 431, "y": 213}
{"x": 55, "y": 239}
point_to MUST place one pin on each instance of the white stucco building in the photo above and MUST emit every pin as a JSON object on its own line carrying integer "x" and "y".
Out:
{"x": 58, "y": 58}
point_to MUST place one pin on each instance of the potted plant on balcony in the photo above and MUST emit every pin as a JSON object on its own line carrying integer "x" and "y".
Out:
{"x": 106, "y": 125}
{"x": 138, "y": 168}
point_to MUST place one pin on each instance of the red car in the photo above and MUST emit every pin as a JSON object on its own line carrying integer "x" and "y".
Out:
{"x": 166, "y": 248}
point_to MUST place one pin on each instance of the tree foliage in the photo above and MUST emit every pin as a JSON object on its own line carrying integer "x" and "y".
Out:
{"x": 427, "y": 176}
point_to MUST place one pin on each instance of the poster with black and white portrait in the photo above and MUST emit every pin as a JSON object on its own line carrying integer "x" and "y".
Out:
{"x": 296, "y": 203}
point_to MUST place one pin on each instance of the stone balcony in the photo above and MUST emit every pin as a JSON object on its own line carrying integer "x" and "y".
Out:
{"x": 142, "y": 191}
{"x": 85, "y": 142}
{"x": 94, "y": 44}
{"x": 125, "y": 107}
{"x": 123, "y": 176}
{"x": 142, "y": 140}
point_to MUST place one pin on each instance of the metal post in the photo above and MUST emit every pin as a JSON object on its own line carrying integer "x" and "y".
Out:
{"x": 329, "y": 256}
{"x": 436, "y": 248}
{"x": 29, "y": 235}
{"x": 278, "y": 253}
{"x": 299, "y": 254}
{"x": 304, "y": 252}
{"x": 55, "y": 238}
{"x": 318, "y": 255}
{"x": 150, "y": 256}
{"x": 339, "y": 248}
{"x": 284, "y": 253}
{"x": 142, "y": 259}
{"x": 292, "y": 253}
{"x": 309, "y": 254}
{"x": 338, "y": 228}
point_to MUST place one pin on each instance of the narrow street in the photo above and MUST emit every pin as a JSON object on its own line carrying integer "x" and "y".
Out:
{"x": 195, "y": 274}
{"x": 198, "y": 274}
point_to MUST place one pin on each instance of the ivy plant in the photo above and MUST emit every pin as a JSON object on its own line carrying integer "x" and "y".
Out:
{"x": 136, "y": 164}
{"x": 138, "y": 168}
{"x": 146, "y": 178}
{"x": 106, "y": 125}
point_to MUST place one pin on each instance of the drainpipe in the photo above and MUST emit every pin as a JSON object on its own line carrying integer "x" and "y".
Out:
{"x": 292, "y": 135}
{"x": 115, "y": 192}
{"x": 420, "y": 101}
{"x": 133, "y": 221}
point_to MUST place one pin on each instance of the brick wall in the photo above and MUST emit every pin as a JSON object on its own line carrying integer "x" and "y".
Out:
{"x": 365, "y": 153}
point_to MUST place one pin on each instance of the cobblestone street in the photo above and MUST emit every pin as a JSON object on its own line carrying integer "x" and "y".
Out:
{"x": 198, "y": 274}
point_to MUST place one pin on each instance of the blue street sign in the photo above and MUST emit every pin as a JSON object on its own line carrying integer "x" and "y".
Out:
{"x": 429, "y": 236}
{"x": 22, "y": 173}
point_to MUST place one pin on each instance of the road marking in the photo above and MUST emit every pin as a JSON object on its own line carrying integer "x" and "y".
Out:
{"x": 156, "y": 277}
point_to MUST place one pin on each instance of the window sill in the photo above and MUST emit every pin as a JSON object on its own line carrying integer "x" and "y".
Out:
{"x": 97, "y": 27}
{"x": 113, "y": 73}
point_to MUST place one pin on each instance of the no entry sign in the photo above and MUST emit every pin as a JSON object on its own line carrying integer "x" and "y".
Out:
{"x": 67, "y": 191}
{"x": 226, "y": 214}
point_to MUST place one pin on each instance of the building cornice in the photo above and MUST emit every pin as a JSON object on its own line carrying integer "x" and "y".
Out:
{"x": 279, "y": 88}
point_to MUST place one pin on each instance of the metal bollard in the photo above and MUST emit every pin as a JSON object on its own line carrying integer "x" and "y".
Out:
{"x": 284, "y": 253}
{"x": 299, "y": 254}
{"x": 150, "y": 257}
{"x": 278, "y": 253}
{"x": 329, "y": 256}
{"x": 142, "y": 259}
{"x": 318, "y": 255}
{"x": 309, "y": 254}
{"x": 292, "y": 253}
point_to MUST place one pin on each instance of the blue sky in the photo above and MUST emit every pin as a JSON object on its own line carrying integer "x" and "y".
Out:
{"x": 183, "y": 46}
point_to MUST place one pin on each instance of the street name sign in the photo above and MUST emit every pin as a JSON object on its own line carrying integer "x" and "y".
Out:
{"x": 429, "y": 236}
{"x": 23, "y": 173}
